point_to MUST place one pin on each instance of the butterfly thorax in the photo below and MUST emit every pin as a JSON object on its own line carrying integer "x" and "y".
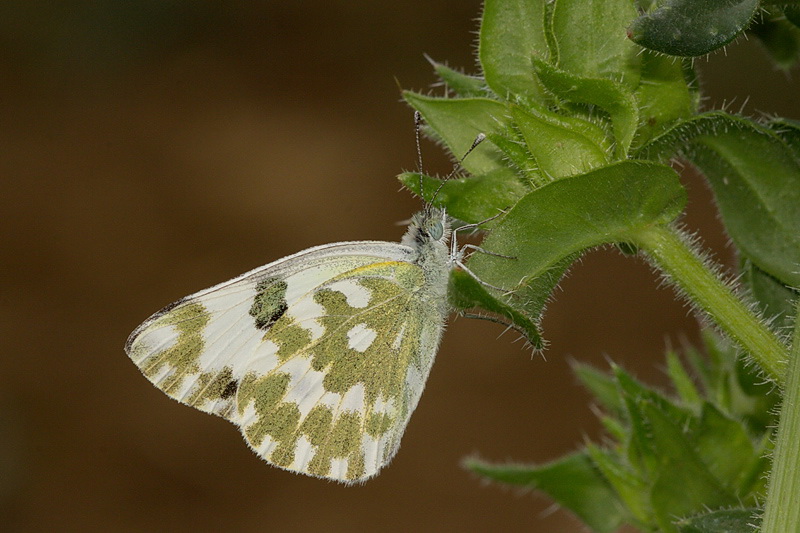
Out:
{"x": 428, "y": 235}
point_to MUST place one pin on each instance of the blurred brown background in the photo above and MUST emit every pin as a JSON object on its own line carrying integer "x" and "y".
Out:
{"x": 149, "y": 149}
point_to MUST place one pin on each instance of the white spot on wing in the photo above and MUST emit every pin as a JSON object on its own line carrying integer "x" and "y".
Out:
{"x": 360, "y": 337}
{"x": 248, "y": 416}
{"x": 369, "y": 446}
{"x": 187, "y": 385}
{"x": 307, "y": 391}
{"x": 398, "y": 341}
{"x": 296, "y": 367}
{"x": 338, "y": 468}
{"x": 383, "y": 406}
{"x": 354, "y": 399}
{"x": 154, "y": 340}
{"x": 305, "y": 311}
{"x": 356, "y": 294}
{"x": 303, "y": 453}
{"x": 331, "y": 400}
{"x": 267, "y": 446}
{"x": 231, "y": 337}
{"x": 263, "y": 360}
{"x": 415, "y": 381}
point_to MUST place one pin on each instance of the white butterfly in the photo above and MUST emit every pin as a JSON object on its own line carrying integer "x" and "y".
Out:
{"x": 320, "y": 357}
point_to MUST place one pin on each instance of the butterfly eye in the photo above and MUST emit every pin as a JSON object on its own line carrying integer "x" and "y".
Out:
{"x": 436, "y": 230}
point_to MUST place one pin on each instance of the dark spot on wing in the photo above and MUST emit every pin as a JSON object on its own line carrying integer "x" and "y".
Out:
{"x": 229, "y": 390}
{"x": 269, "y": 305}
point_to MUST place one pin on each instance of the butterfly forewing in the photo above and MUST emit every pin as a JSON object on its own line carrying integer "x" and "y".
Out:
{"x": 319, "y": 358}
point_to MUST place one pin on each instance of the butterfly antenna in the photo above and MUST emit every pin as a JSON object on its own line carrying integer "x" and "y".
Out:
{"x": 417, "y": 127}
{"x": 457, "y": 166}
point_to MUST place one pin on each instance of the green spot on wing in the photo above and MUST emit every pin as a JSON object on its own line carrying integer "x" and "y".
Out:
{"x": 317, "y": 424}
{"x": 189, "y": 321}
{"x": 277, "y": 419}
{"x": 346, "y": 435}
{"x": 378, "y": 424}
{"x": 290, "y": 338}
{"x": 382, "y": 367}
{"x": 213, "y": 386}
{"x": 399, "y": 312}
{"x": 355, "y": 467}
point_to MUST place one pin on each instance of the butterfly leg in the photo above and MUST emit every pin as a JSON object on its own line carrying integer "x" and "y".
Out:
{"x": 483, "y": 251}
{"x": 474, "y": 276}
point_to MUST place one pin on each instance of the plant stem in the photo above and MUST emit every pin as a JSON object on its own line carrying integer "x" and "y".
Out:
{"x": 782, "y": 512}
{"x": 673, "y": 254}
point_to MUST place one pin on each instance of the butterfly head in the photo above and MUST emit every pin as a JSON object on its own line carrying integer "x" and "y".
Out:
{"x": 427, "y": 226}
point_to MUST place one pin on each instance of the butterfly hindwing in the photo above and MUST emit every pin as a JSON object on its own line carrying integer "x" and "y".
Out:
{"x": 319, "y": 358}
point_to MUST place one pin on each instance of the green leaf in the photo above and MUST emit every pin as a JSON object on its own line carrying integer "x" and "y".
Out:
{"x": 788, "y": 130}
{"x": 684, "y": 385}
{"x": 458, "y": 121}
{"x": 464, "y": 292}
{"x": 471, "y": 199}
{"x": 630, "y": 488}
{"x": 733, "y": 386}
{"x": 557, "y": 151}
{"x": 692, "y": 28}
{"x": 756, "y": 180}
{"x": 684, "y": 484}
{"x": 592, "y": 41}
{"x": 752, "y": 400}
{"x": 572, "y": 481}
{"x": 663, "y": 96}
{"x": 639, "y": 451}
{"x": 780, "y": 38}
{"x": 512, "y": 31}
{"x": 636, "y": 391}
{"x": 594, "y": 133}
{"x": 602, "y": 386}
{"x": 775, "y": 300}
{"x": 721, "y": 521}
{"x": 554, "y": 223}
{"x": 516, "y": 150}
{"x": 792, "y": 13}
{"x": 462, "y": 84}
{"x": 723, "y": 445}
{"x": 609, "y": 95}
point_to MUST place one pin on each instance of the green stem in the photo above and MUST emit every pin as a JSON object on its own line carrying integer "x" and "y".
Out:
{"x": 671, "y": 252}
{"x": 782, "y": 512}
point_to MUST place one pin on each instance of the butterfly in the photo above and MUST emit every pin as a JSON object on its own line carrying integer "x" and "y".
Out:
{"x": 319, "y": 358}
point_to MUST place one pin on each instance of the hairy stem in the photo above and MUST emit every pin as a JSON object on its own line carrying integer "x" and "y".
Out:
{"x": 782, "y": 512}
{"x": 673, "y": 254}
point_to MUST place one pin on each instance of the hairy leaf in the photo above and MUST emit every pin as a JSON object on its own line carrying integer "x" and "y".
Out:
{"x": 471, "y": 199}
{"x": 558, "y": 151}
{"x": 458, "y": 121}
{"x": 780, "y": 38}
{"x": 592, "y": 40}
{"x": 663, "y": 95}
{"x": 721, "y": 521}
{"x": 462, "y": 84}
{"x": 573, "y": 481}
{"x": 608, "y": 95}
{"x": 565, "y": 217}
{"x": 464, "y": 292}
{"x": 692, "y": 27}
{"x": 756, "y": 181}
{"x": 512, "y": 32}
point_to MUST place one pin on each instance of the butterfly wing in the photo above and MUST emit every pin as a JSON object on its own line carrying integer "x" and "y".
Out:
{"x": 319, "y": 358}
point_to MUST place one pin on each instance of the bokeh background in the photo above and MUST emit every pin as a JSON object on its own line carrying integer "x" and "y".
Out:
{"x": 152, "y": 148}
